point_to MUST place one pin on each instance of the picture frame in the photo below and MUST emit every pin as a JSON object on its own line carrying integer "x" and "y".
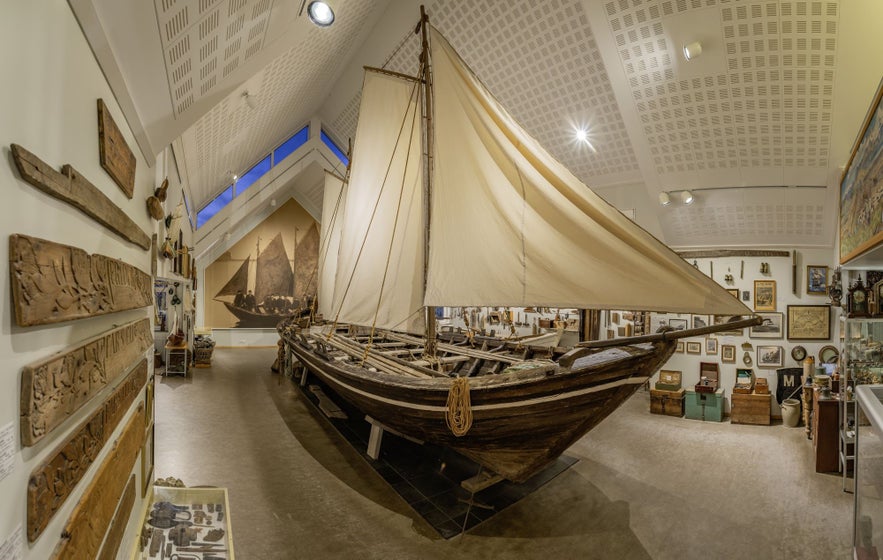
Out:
{"x": 764, "y": 295}
{"x": 728, "y": 353}
{"x": 772, "y": 326}
{"x": 700, "y": 321}
{"x": 678, "y": 324}
{"x": 710, "y": 346}
{"x": 734, "y": 292}
{"x": 770, "y": 356}
{"x": 694, "y": 347}
{"x": 816, "y": 280}
{"x": 721, "y": 319}
{"x": 147, "y": 460}
{"x": 746, "y": 295}
{"x": 679, "y": 348}
{"x": 861, "y": 223}
{"x": 809, "y": 322}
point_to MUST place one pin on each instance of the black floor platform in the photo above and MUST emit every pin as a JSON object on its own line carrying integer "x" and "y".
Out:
{"x": 428, "y": 476}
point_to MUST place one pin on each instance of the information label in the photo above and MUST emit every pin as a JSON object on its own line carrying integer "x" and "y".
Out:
{"x": 10, "y": 549}
{"x": 7, "y": 450}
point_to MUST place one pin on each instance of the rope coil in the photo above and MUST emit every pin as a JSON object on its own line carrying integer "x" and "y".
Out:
{"x": 459, "y": 414}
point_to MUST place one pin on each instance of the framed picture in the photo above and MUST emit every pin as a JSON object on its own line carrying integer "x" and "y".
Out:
{"x": 770, "y": 328}
{"x": 728, "y": 353}
{"x": 680, "y": 347}
{"x": 816, "y": 280}
{"x": 769, "y": 356}
{"x": 734, "y": 293}
{"x": 721, "y": 319}
{"x": 861, "y": 223}
{"x": 711, "y": 346}
{"x": 147, "y": 461}
{"x": 694, "y": 347}
{"x": 764, "y": 295}
{"x": 678, "y": 324}
{"x": 746, "y": 295}
{"x": 700, "y": 321}
{"x": 809, "y": 322}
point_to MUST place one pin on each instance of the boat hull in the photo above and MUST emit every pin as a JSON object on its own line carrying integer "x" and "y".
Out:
{"x": 251, "y": 319}
{"x": 521, "y": 423}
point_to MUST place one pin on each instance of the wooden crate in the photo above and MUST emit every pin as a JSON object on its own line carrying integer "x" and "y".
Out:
{"x": 670, "y": 403}
{"x": 704, "y": 406}
{"x": 669, "y": 380}
{"x": 750, "y": 409}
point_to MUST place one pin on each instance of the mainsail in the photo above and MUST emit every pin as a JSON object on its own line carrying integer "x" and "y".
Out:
{"x": 273, "y": 275}
{"x": 513, "y": 227}
{"x": 380, "y": 263}
{"x": 238, "y": 282}
{"x": 333, "y": 204}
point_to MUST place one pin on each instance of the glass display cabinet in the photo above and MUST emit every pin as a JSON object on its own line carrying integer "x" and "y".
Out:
{"x": 868, "y": 516}
{"x": 861, "y": 363}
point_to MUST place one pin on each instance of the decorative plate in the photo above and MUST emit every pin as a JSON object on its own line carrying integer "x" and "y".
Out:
{"x": 798, "y": 353}
{"x": 746, "y": 359}
{"x": 828, "y": 354}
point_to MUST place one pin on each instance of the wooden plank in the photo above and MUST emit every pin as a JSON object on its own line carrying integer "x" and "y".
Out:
{"x": 114, "y": 153}
{"x": 71, "y": 187}
{"x": 717, "y": 253}
{"x": 484, "y": 479}
{"x": 87, "y": 525}
{"x": 53, "y": 481}
{"x": 52, "y": 283}
{"x": 56, "y": 387}
{"x": 118, "y": 523}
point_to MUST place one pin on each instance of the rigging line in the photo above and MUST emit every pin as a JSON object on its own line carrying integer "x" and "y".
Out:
{"x": 392, "y": 237}
{"x": 397, "y": 49}
{"x": 374, "y": 211}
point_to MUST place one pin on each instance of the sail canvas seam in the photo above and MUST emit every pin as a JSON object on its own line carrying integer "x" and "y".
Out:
{"x": 521, "y": 230}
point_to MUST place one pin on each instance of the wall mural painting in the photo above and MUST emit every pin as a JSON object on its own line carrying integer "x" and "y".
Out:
{"x": 861, "y": 189}
{"x": 269, "y": 274}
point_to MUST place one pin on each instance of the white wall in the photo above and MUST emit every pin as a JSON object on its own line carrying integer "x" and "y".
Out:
{"x": 48, "y": 105}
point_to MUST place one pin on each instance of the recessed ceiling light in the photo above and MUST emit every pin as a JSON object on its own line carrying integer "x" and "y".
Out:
{"x": 582, "y": 135}
{"x": 687, "y": 197}
{"x": 320, "y": 13}
{"x": 692, "y": 50}
{"x": 664, "y": 199}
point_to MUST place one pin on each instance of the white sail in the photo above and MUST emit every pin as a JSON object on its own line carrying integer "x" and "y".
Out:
{"x": 333, "y": 205}
{"x": 381, "y": 245}
{"x": 511, "y": 226}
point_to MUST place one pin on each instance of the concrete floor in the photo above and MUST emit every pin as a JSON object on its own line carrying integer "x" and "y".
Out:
{"x": 645, "y": 486}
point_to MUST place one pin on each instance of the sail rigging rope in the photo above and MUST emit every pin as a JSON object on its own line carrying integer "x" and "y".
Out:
{"x": 458, "y": 417}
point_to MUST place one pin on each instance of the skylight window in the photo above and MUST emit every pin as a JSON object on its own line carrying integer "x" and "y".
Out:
{"x": 333, "y": 147}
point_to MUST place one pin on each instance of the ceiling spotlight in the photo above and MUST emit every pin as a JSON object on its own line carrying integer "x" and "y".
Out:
{"x": 692, "y": 50}
{"x": 320, "y": 13}
{"x": 664, "y": 199}
{"x": 583, "y": 136}
{"x": 687, "y": 197}
{"x": 250, "y": 100}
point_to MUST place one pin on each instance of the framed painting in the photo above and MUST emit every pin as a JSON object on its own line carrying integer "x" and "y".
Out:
{"x": 678, "y": 324}
{"x": 728, "y": 353}
{"x": 722, "y": 319}
{"x": 734, "y": 292}
{"x": 769, "y": 356}
{"x": 861, "y": 207}
{"x": 694, "y": 347}
{"x": 700, "y": 321}
{"x": 809, "y": 322}
{"x": 771, "y": 327}
{"x": 764, "y": 295}
{"x": 711, "y": 346}
{"x": 680, "y": 347}
{"x": 816, "y": 280}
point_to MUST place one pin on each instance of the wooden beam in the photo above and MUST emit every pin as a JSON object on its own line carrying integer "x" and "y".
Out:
{"x": 717, "y": 253}
{"x": 54, "y": 480}
{"x": 114, "y": 153}
{"x": 52, "y": 283}
{"x": 87, "y": 525}
{"x": 119, "y": 522}
{"x": 71, "y": 187}
{"x": 55, "y": 388}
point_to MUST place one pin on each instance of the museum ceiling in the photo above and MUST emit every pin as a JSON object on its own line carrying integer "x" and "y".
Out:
{"x": 764, "y": 105}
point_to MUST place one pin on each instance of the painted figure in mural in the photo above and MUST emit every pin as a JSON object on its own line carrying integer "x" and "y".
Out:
{"x": 249, "y": 301}
{"x": 239, "y": 300}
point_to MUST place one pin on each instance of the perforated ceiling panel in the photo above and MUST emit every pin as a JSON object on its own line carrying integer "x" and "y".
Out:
{"x": 204, "y": 41}
{"x": 541, "y": 61}
{"x": 769, "y": 104}
{"x": 232, "y": 136}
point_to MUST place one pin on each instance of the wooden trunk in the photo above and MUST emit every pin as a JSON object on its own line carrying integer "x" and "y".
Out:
{"x": 704, "y": 406}
{"x": 825, "y": 438}
{"x": 750, "y": 409}
{"x": 670, "y": 403}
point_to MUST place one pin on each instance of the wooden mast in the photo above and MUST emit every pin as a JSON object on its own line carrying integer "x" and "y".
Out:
{"x": 431, "y": 340}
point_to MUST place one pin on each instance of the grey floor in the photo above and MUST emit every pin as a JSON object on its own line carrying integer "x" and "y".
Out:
{"x": 645, "y": 486}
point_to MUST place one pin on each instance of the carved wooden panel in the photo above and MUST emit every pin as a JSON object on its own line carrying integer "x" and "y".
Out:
{"x": 52, "y": 282}
{"x": 119, "y": 522}
{"x": 53, "y": 481}
{"x": 56, "y": 387}
{"x": 87, "y": 525}
{"x": 71, "y": 187}
{"x": 115, "y": 155}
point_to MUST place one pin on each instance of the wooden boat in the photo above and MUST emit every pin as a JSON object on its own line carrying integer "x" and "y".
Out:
{"x": 491, "y": 219}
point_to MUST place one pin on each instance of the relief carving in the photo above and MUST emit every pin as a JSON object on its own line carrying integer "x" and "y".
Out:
{"x": 52, "y": 282}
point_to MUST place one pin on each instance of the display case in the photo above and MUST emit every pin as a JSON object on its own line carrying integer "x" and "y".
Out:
{"x": 188, "y": 523}
{"x": 868, "y": 516}
{"x": 861, "y": 363}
